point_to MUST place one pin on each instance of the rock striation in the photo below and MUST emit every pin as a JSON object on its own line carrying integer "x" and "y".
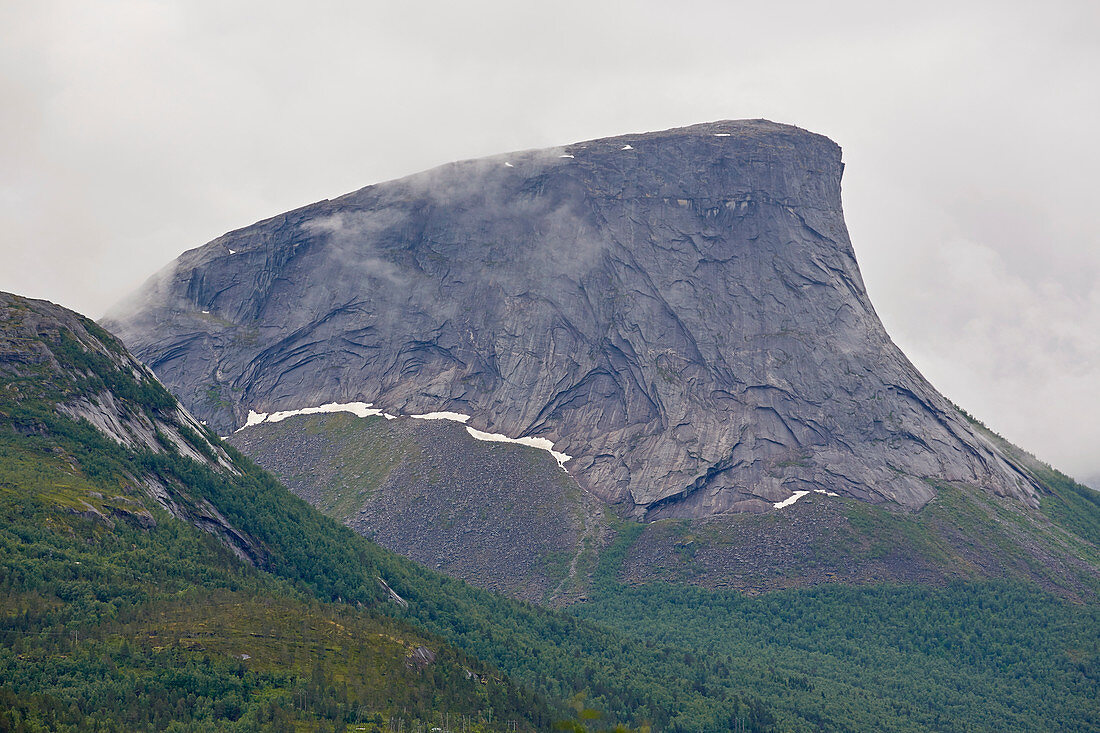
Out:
{"x": 679, "y": 311}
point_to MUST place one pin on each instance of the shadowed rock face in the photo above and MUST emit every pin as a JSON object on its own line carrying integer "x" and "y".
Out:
{"x": 680, "y": 311}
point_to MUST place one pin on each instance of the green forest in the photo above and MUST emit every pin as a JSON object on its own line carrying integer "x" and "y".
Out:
{"x": 975, "y": 656}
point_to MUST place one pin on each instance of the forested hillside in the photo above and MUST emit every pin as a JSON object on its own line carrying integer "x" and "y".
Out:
{"x": 118, "y": 613}
{"x": 966, "y": 656}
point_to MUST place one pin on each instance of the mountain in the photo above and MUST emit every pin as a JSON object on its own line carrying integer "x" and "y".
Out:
{"x": 763, "y": 504}
{"x": 152, "y": 578}
{"x": 680, "y": 313}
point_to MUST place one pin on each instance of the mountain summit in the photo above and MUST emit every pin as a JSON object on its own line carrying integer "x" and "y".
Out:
{"x": 679, "y": 312}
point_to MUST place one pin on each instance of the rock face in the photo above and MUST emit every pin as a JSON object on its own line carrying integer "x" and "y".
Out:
{"x": 680, "y": 311}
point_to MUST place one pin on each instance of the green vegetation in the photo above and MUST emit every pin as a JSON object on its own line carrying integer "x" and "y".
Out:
{"x": 212, "y": 393}
{"x": 611, "y": 559}
{"x": 115, "y": 615}
{"x": 98, "y": 373}
{"x": 977, "y": 656}
{"x": 106, "y": 622}
{"x": 357, "y": 439}
{"x": 990, "y": 637}
{"x": 963, "y": 534}
{"x": 1073, "y": 506}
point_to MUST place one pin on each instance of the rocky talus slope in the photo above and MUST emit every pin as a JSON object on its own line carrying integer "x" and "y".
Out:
{"x": 679, "y": 311}
{"x": 503, "y": 517}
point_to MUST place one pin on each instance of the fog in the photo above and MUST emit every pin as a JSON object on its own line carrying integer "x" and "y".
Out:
{"x": 134, "y": 130}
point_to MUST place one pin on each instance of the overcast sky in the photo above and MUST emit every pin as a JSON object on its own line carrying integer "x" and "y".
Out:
{"x": 133, "y": 130}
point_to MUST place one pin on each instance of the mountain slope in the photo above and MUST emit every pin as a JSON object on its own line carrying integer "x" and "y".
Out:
{"x": 681, "y": 312}
{"x": 130, "y": 601}
{"x": 504, "y": 517}
{"x": 119, "y": 614}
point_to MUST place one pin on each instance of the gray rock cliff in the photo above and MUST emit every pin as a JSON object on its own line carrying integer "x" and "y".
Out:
{"x": 679, "y": 311}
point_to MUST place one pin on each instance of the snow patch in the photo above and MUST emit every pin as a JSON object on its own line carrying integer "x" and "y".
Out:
{"x": 567, "y": 155}
{"x": 456, "y": 416}
{"x": 790, "y": 499}
{"x": 359, "y": 409}
{"x": 721, "y": 134}
{"x": 626, "y": 147}
{"x": 232, "y": 251}
{"x": 509, "y": 164}
{"x": 540, "y": 443}
{"x": 206, "y": 312}
{"x": 798, "y": 495}
{"x": 364, "y": 409}
{"x": 254, "y": 418}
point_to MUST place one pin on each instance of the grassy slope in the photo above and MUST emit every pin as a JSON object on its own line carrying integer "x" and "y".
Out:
{"x": 1067, "y": 503}
{"x": 963, "y": 534}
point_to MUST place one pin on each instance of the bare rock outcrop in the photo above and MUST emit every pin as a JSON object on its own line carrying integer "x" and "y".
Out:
{"x": 680, "y": 311}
